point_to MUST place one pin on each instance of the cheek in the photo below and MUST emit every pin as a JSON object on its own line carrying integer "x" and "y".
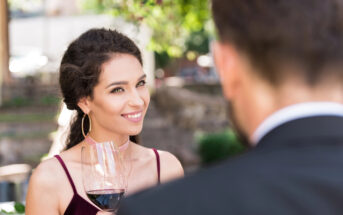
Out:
{"x": 145, "y": 95}
{"x": 112, "y": 105}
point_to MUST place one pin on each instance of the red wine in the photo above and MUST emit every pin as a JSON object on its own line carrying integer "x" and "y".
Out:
{"x": 107, "y": 200}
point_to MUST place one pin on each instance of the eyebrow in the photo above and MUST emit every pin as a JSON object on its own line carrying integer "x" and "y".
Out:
{"x": 124, "y": 82}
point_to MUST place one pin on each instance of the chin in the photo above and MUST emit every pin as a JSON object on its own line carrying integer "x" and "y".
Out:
{"x": 133, "y": 132}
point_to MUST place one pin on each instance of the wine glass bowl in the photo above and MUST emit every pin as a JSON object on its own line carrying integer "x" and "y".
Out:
{"x": 103, "y": 175}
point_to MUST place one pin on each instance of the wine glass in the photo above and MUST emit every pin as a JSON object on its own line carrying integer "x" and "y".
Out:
{"x": 127, "y": 168}
{"x": 103, "y": 175}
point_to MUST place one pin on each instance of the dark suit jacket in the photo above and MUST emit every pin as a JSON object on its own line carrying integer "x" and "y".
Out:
{"x": 297, "y": 168}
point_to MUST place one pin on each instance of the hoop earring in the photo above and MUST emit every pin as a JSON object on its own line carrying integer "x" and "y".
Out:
{"x": 82, "y": 127}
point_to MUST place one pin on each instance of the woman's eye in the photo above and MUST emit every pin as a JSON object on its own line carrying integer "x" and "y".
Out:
{"x": 117, "y": 90}
{"x": 141, "y": 83}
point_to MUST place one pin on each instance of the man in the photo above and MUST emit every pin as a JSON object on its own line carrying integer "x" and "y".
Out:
{"x": 281, "y": 66}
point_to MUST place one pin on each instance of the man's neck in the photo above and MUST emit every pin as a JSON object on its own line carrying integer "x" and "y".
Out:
{"x": 265, "y": 99}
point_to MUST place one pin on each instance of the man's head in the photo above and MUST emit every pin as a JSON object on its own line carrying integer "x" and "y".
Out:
{"x": 274, "y": 53}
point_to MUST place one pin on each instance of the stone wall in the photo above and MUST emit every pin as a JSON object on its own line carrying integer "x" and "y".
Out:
{"x": 205, "y": 88}
{"x": 30, "y": 90}
{"x": 175, "y": 116}
{"x": 191, "y": 109}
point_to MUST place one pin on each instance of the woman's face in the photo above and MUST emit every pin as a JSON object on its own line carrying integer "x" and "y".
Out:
{"x": 121, "y": 98}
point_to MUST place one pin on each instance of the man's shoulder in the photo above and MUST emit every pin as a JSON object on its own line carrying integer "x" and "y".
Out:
{"x": 215, "y": 183}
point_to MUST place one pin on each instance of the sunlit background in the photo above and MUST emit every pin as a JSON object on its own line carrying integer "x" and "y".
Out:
{"x": 187, "y": 116}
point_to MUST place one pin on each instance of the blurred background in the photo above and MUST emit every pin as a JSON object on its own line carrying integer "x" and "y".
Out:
{"x": 187, "y": 115}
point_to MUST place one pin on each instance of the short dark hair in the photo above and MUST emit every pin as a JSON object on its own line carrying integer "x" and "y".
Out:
{"x": 81, "y": 67}
{"x": 274, "y": 32}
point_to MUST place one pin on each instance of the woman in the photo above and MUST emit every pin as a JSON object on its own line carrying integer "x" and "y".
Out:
{"x": 101, "y": 77}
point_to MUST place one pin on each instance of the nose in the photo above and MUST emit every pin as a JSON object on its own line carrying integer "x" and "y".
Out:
{"x": 136, "y": 99}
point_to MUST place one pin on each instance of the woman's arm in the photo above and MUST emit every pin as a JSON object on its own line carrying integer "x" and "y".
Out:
{"x": 171, "y": 167}
{"x": 42, "y": 195}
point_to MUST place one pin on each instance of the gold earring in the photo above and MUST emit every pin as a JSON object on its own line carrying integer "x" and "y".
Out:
{"x": 82, "y": 127}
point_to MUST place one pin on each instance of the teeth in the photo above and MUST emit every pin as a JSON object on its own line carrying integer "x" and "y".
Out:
{"x": 134, "y": 115}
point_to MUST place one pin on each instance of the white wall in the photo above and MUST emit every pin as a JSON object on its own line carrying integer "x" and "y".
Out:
{"x": 52, "y": 35}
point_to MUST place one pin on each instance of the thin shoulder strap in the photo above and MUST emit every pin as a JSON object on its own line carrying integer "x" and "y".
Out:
{"x": 67, "y": 173}
{"x": 158, "y": 165}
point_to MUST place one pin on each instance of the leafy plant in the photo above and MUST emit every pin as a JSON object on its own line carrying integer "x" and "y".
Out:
{"x": 178, "y": 26}
{"x": 19, "y": 208}
{"x": 218, "y": 146}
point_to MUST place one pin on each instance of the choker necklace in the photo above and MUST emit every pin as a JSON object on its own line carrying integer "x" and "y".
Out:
{"x": 122, "y": 148}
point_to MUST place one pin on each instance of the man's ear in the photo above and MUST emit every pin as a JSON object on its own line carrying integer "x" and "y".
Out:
{"x": 225, "y": 57}
{"x": 84, "y": 105}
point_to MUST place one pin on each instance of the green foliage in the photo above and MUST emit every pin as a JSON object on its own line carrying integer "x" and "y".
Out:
{"x": 17, "y": 102}
{"x": 218, "y": 146}
{"x": 19, "y": 208}
{"x": 49, "y": 100}
{"x": 175, "y": 23}
{"x": 26, "y": 135}
{"x": 198, "y": 41}
{"x": 21, "y": 101}
{"x": 162, "y": 59}
{"x": 26, "y": 117}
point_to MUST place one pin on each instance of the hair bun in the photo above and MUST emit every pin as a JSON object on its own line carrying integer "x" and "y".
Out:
{"x": 71, "y": 77}
{"x": 70, "y": 105}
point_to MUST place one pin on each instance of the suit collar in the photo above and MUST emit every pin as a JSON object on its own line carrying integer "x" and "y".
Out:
{"x": 296, "y": 111}
{"x": 314, "y": 128}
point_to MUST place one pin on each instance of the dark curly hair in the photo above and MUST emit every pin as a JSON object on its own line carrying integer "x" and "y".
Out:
{"x": 274, "y": 33}
{"x": 80, "y": 69}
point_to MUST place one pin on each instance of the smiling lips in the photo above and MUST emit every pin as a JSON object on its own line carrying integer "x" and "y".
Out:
{"x": 134, "y": 117}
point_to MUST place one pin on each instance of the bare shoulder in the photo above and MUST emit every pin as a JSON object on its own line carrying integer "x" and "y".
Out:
{"x": 46, "y": 173}
{"x": 171, "y": 167}
{"x": 43, "y": 185}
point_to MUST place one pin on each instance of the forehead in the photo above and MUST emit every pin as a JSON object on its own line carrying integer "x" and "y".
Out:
{"x": 120, "y": 67}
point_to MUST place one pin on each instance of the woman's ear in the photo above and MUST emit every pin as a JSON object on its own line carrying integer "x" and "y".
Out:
{"x": 84, "y": 105}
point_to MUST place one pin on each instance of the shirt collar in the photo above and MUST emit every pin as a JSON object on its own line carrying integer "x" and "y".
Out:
{"x": 296, "y": 111}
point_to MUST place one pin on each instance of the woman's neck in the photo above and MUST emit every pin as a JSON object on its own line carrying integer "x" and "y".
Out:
{"x": 122, "y": 147}
{"x": 119, "y": 140}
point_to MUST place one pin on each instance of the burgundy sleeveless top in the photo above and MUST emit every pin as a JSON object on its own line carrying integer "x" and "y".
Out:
{"x": 78, "y": 205}
{"x": 158, "y": 166}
